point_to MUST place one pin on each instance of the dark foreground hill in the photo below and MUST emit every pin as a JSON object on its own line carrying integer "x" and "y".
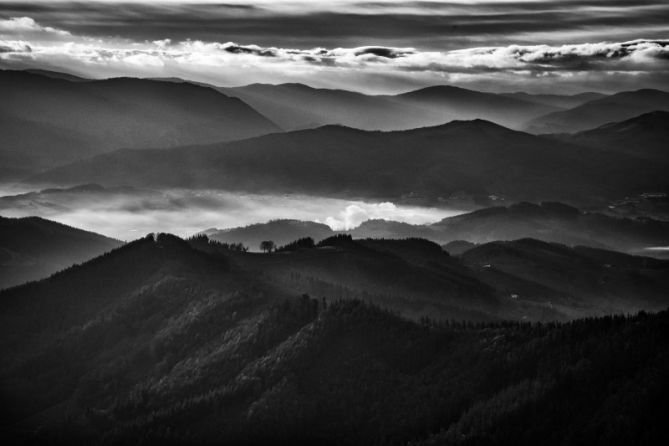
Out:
{"x": 162, "y": 341}
{"x": 477, "y": 158}
{"x": 48, "y": 121}
{"x": 551, "y": 222}
{"x": 33, "y": 248}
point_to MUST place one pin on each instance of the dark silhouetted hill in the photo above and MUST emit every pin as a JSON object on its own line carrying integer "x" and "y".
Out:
{"x": 164, "y": 341}
{"x": 32, "y": 248}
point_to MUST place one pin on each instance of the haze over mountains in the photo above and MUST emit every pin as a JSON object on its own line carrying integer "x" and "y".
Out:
{"x": 295, "y": 106}
{"x": 551, "y": 222}
{"x": 51, "y": 119}
{"x": 617, "y": 107}
{"x": 431, "y": 272}
{"x": 477, "y": 157}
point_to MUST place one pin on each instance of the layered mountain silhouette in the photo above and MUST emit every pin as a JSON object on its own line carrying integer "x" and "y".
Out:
{"x": 476, "y": 157}
{"x": 447, "y": 103}
{"x": 554, "y": 222}
{"x": 162, "y": 335}
{"x": 92, "y": 116}
{"x": 295, "y": 106}
{"x": 645, "y": 136}
{"x": 614, "y": 108}
{"x": 298, "y": 106}
{"x": 557, "y": 100}
{"x": 32, "y": 248}
{"x": 551, "y": 222}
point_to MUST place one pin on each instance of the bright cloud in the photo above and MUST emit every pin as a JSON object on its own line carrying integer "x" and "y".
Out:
{"x": 27, "y": 26}
{"x": 26, "y": 43}
{"x": 357, "y": 213}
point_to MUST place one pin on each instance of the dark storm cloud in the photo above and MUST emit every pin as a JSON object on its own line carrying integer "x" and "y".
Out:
{"x": 249, "y": 49}
{"x": 388, "y": 53}
{"x": 428, "y": 25}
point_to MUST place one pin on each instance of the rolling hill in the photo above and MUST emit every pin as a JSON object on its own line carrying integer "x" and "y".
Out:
{"x": 567, "y": 277}
{"x": 477, "y": 157}
{"x": 614, "y": 108}
{"x": 165, "y": 340}
{"x": 32, "y": 248}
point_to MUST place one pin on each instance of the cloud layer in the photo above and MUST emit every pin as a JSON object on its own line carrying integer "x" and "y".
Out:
{"x": 430, "y": 25}
{"x": 503, "y": 45}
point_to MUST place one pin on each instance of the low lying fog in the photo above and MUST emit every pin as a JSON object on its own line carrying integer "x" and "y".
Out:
{"x": 126, "y": 213}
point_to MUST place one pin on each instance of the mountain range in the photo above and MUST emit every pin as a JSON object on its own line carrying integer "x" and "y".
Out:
{"x": 477, "y": 158}
{"x": 49, "y": 120}
{"x": 614, "y": 108}
{"x": 162, "y": 335}
{"x": 551, "y": 222}
{"x": 645, "y": 136}
{"x": 296, "y": 106}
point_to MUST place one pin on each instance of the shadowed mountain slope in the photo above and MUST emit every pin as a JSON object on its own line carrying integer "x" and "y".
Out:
{"x": 614, "y": 108}
{"x": 477, "y": 157}
{"x": 416, "y": 277}
{"x": 33, "y": 248}
{"x": 109, "y": 114}
{"x": 644, "y": 136}
{"x": 571, "y": 277}
{"x": 187, "y": 343}
{"x": 28, "y": 146}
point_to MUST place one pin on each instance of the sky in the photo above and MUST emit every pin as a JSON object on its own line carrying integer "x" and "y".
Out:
{"x": 539, "y": 46}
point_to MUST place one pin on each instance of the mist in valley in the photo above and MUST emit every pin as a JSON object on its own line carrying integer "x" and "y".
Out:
{"x": 127, "y": 213}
